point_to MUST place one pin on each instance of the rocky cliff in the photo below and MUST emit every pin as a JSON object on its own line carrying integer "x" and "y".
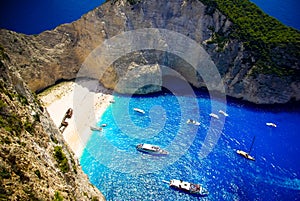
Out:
{"x": 35, "y": 162}
{"x": 58, "y": 54}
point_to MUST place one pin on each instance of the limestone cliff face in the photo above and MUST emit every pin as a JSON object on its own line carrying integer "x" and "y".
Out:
{"x": 35, "y": 162}
{"x": 59, "y": 53}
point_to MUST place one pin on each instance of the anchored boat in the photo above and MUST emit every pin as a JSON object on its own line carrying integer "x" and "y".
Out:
{"x": 271, "y": 124}
{"x": 139, "y": 110}
{"x": 224, "y": 113}
{"x": 214, "y": 115}
{"x": 151, "y": 149}
{"x": 245, "y": 154}
{"x": 188, "y": 187}
{"x": 191, "y": 121}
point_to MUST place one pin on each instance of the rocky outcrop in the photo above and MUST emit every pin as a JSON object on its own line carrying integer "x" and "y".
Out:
{"x": 140, "y": 80}
{"x": 58, "y": 54}
{"x": 35, "y": 162}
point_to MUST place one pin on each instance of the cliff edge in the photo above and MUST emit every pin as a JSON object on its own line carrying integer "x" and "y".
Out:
{"x": 35, "y": 162}
{"x": 44, "y": 59}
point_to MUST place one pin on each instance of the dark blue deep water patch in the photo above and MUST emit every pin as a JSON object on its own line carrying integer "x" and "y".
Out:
{"x": 286, "y": 11}
{"x": 111, "y": 160}
{"x": 35, "y": 16}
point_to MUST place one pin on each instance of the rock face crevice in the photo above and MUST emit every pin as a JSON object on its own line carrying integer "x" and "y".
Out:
{"x": 59, "y": 53}
{"x": 35, "y": 161}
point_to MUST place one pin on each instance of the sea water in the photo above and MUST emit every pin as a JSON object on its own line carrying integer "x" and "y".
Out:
{"x": 286, "y": 11}
{"x": 33, "y": 16}
{"x": 122, "y": 173}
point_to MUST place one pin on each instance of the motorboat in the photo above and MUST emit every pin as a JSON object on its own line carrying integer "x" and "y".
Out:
{"x": 191, "y": 121}
{"x": 139, "y": 110}
{"x": 271, "y": 124}
{"x": 188, "y": 187}
{"x": 224, "y": 113}
{"x": 214, "y": 115}
{"x": 93, "y": 128}
{"x": 151, "y": 149}
{"x": 245, "y": 155}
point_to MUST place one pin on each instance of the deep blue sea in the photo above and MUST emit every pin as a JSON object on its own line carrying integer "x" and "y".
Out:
{"x": 34, "y": 16}
{"x": 122, "y": 173}
{"x": 286, "y": 11}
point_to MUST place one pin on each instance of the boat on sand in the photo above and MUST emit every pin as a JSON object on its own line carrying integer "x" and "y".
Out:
{"x": 94, "y": 128}
{"x": 188, "y": 187}
{"x": 151, "y": 149}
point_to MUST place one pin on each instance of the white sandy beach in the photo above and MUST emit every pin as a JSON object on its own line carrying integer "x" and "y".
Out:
{"x": 88, "y": 100}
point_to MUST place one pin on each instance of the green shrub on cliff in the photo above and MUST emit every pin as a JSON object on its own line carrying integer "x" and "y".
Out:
{"x": 267, "y": 38}
{"x": 61, "y": 159}
{"x": 58, "y": 197}
{"x": 252, "y": 24}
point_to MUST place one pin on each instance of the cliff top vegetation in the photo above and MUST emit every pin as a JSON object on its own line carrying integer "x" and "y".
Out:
{"x": 266, "y": 37}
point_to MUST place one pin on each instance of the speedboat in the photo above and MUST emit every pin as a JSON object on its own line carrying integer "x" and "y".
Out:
{"x": 151, "y": 149}
{"x": 93, "y": 128}
{"x": 214, "y": 115}
{"x": 188, "y": 187}
{"x": 271, "y": 124}
{"x": 245, "y": 155}
{"x": 190, "y": 121}
{"x": 224, "y": 113}
{"x": 139, "y": 110}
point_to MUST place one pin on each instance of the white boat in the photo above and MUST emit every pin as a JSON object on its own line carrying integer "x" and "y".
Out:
{"x": 190, "y": 121}
{"x": 112, "y": 101}
{"x": 245, "y": 154}
{"x": 93, "y": 128}
{"x": 103, "y": 125}
{"x": 271, "y": 124}
{"x": 139, "y": 110}
{"x": 188, "y": 187}
{"x": 224, "y": 113}
{"x": 214, "y": 115}
{"x": 151, "y": 149}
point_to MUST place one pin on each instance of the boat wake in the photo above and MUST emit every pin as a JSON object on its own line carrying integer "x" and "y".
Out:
{"x": 288, "y": 183}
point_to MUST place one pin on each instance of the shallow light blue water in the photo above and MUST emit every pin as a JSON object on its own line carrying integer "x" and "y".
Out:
{"x": 122, "y": 173}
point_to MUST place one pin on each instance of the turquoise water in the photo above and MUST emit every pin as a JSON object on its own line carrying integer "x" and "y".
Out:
{"x": 122, "y": 173}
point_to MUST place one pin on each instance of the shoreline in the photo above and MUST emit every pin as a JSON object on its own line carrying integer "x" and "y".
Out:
{"x": 87, "y": 98}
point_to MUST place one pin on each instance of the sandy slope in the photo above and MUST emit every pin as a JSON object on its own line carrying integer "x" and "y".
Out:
{"x": 88, "y": 100}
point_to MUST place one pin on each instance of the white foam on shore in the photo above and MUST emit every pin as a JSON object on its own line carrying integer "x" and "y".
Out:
{"x": 59, "y": 98}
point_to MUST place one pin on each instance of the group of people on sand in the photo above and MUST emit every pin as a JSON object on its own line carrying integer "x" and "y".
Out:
{"x": 64, "y": 123}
